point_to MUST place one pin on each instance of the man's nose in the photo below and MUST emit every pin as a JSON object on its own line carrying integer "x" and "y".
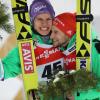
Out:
{"x": 44, "y": 22}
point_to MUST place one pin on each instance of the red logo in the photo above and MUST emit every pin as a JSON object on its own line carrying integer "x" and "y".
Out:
{"x": 27, "y": 58}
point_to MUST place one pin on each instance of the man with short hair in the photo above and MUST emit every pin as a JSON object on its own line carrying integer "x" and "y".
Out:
{"x": 63, "y": 36}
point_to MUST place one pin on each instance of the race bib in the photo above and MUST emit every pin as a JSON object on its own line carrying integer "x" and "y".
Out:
{"x": 45, "y": 71}
{"x": 70, "y": 61}
{"x": 70, "y": 58}
{"x": 48, "y": 59}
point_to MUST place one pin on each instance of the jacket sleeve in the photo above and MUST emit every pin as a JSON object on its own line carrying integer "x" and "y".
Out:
{"x": 92, "y": 94}
{"x": 95, "y": 57}
{"x": 11, "y": 64}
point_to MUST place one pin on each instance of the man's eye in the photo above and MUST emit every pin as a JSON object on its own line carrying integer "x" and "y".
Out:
{"x": 55, "y": 32}
{"x": 39, "y": 19}
{"x": 49, "y": 19}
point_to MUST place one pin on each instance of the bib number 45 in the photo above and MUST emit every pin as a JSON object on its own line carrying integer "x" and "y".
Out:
{"x": 50, "y": 68}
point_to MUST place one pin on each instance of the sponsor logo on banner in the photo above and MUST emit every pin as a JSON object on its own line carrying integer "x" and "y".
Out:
{"x": 27, "y": 58}
{"x": 82, "y": 63}
{"x": 83, "y": 47}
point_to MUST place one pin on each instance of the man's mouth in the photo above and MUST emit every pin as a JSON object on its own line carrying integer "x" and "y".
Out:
{"x": 44, "y": 29}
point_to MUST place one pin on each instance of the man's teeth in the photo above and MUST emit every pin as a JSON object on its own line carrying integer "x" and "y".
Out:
{"x": 44, "y": 29}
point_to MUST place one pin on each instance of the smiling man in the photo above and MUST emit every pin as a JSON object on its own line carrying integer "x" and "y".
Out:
{"x": 63, "y": 36}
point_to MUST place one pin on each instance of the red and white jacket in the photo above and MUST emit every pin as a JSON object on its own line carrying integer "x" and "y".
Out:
{"x": 70, "y": 58}
{"x": 48, "y": 59}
